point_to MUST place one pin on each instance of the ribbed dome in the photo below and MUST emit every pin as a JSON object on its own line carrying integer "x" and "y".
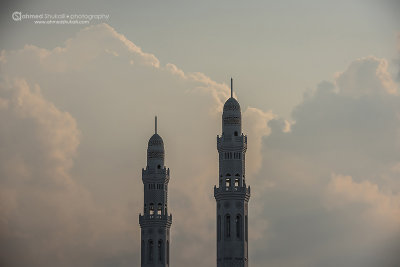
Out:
{"x": 231, "y": 118}
{"x": 231, "y": 105}
{"x": 231, "y": 115}
{"x": 156, "y": 142}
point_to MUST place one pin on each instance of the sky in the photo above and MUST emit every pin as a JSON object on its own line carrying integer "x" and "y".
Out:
{"x": 318, "y": 84}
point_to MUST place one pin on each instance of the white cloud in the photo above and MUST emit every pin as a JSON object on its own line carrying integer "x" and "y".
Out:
{"x": 73, "y": 150}
{"x": 318, "y": 220}
{"x": 366, "y": 76}
{"x": 76, "y": 145}
{"x": 381, "y": 206}
{"x": 256, "y": 122}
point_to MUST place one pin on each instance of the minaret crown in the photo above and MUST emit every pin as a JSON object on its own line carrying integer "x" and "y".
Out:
{"x": 155, "y": 150}
{"x": 231, "y": 116}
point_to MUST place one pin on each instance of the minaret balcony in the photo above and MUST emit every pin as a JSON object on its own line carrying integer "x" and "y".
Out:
{"x": 163, "y": 171}
{"x": 232, "y": 143}
{"x": 155, "y": 219}
{"x": 232, "y": 192}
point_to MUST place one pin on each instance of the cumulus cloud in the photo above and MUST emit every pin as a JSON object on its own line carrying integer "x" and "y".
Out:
{"x": 256, "y": 122}
{"x": 79, "y": 117}
{"x": 347, "y": 126}
{"x": 366, "y": 76}
{"x": 381, "y": 206}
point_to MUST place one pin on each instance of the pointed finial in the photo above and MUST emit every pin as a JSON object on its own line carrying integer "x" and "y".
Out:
{"x": 231, "y": 87}
{"x": 155, "y": 124}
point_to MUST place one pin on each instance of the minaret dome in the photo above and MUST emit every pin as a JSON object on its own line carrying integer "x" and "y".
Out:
{"x": 231, "y": 116}
{"x": 155, "y": 151}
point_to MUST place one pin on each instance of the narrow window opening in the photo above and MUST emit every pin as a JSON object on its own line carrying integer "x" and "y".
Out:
{"x": 238, "y": 226}
{"x": 228, "y": 225}
{"x": 150, "y": 250}
{"x": 151, "y": 209}
{"x": 236, "y": 182}
{"x": 236, "y": 133}
{"x": 159, "y": 209}
{"x": 167, "y": 251}
{"x": 228, "y": 182}
{"x": 160, "y": 255}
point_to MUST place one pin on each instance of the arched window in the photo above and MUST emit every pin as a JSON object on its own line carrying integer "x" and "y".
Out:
{"x": 167, "y": 251}
{"x": 160, "y": 250}
{"x": 159, "y": 209}
{"x": 228, "y": 226}
{"x": 228, "y": 182}
{"x": 151, "y": 208}
{"x": 143, "y": 250}
{"x": 219, "y": 228}
{"x": 151, "y": 247}
{"x": 236, "y": 182}
{"x": 238, "y": 222}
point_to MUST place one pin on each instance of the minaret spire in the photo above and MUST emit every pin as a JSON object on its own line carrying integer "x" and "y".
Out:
{"x": 231, "y": 87}
{"x": 155, "y": 124}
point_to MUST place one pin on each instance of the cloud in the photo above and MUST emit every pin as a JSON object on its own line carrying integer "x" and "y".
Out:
{"x": 342, "y": 191}
{"x": 398, "y": 60}
{"x": 366, "y": 76}
{"x": 256, "y": 122}
{"x": 79, "y": 117}
{"x": 315, "y": 219}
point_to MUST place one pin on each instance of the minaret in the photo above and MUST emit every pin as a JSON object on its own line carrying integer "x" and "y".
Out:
{"x": 155, "y": 222}
{"x": 232, "y": 194}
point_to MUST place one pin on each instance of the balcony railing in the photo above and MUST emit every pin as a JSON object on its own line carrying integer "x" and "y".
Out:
{"x": 239, "y": 189}
{"x": 155, "y": 217}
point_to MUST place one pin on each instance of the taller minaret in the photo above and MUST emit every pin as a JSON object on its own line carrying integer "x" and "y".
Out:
{"x": 232, "y": 194}
{"x": 155, "y": 223}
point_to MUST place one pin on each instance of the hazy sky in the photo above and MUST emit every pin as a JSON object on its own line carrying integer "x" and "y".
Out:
{"x": 318, "y": 83}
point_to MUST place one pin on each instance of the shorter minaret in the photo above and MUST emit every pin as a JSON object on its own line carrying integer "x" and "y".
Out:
{"x": 155, "y": 223}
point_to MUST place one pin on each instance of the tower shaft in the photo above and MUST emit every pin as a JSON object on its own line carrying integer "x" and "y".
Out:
{"x": 155, "y": 223}
{"x": 232, "y": 195}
